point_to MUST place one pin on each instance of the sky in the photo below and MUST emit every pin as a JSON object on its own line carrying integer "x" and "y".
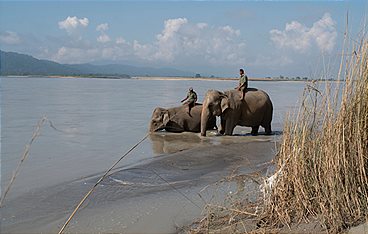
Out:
{"x": 266, "y": 38}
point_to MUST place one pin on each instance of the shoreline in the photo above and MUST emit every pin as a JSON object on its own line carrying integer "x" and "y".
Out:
{"x": 170, "y": 78}
{"x": 68, "y": 77}
{"x": 193, "y": 78}
{"x": 142, "y": 77}
{"x": 175, "y": 78}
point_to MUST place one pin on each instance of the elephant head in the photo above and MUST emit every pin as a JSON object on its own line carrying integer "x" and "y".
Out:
{"x": 215, "y": 104}
{"x": 160, "y": 118}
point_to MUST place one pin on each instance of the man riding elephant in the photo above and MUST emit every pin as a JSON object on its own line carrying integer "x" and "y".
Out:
{"x": 190, "y": 100}
{"x": 243, "y": 83}
{"x": 253, "y": 111}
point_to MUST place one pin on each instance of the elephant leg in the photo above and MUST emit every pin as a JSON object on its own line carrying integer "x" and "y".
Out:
{"x": 229, "y": 128}
{"x": 268, "y": 129}
{"x": 223, "y": 126}
{"x": 255, "y": 131}
{"x": 212, "y": 123}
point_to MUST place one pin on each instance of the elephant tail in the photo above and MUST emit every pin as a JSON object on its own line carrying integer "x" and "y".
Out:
{"x": 267, "y": 117}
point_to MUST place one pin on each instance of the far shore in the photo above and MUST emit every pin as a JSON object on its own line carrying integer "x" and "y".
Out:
{"x": 206, "y": 78}
{"x": 193, "y": 78}
{"x": 173, "y": 78}
{"x": 139, "y": 77}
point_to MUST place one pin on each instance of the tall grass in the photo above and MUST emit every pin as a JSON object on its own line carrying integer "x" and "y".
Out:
{"x": 323, "y": 159}
{"x": 322, "y": 164}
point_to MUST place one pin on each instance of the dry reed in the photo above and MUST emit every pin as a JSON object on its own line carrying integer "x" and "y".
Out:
{"x": 322, "y": 163}
{"x": 323, "y": 157}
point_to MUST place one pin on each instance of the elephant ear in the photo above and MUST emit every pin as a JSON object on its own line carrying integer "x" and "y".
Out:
{"x": 166, "y": 118}
{"x": 225, "y": 104}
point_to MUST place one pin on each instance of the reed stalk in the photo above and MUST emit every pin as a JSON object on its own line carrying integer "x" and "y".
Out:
{"x": 324, "y": 154}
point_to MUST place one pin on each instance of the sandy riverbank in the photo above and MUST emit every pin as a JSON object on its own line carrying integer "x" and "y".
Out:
{"x": 158, "y": 195}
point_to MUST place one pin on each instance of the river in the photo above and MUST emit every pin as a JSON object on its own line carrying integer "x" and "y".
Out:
{"x": 96, "y": 121}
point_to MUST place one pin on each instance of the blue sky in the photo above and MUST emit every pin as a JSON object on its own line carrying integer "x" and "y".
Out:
{"x": 267, "y": 38}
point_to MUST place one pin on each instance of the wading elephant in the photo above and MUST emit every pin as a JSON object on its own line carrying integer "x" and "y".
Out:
{"x": 255, "y": 110}
{"x": 177, "y": 119}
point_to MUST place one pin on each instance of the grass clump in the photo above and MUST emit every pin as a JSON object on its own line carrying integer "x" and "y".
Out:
{"x": 321, "y": 166}
{"x": 323, "y": 158}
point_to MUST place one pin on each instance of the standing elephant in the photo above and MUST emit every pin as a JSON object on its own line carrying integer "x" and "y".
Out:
{"x": 177, "y": 119}
{"x": 253, "y": 111}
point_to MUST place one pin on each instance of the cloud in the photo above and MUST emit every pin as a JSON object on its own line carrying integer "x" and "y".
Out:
{"x": 102, "y": 27}
{"x": 75, "y": 55}
{"x": 181, "y": 39}
{"x": 10, "y": 38}
{"x": 230, "y": 31}
{"x": 168, "y": 41}
{"x": 71, "y": 24}
{"x": 120, "y": 40}
{"x": 301, "y": 38}
{"x": 171, "y": 27}
{"x": 179, "y": 42}
{"x": 143, "y": 51}
{"x": 103, "y": 38}
{"x": 202, "y": 25}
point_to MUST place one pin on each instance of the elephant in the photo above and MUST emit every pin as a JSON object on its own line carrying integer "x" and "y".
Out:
{"x": 254, "y": 110}
{"x": 177, "y": 119}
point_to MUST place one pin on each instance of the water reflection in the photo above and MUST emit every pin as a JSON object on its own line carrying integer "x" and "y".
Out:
{"x": 168, "y": 143}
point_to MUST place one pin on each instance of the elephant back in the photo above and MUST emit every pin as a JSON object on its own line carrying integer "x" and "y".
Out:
{"x": 254, "y": 100}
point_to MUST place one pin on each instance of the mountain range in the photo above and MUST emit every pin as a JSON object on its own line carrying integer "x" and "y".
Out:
{"x": 12, "y": 63}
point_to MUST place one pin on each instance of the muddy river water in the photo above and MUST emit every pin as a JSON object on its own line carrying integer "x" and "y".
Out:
{"x": 161, "y": 186}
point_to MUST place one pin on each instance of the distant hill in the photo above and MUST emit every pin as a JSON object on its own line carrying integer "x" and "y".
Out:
{"x": 20, "y": 64}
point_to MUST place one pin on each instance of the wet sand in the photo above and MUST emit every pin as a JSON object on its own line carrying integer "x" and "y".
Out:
{"x": 157, "y": 195}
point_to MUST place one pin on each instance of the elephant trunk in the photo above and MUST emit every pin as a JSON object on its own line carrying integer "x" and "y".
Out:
{"x": 205, "y": 116}
{"x": 156, "y": 125}
{"x": 151, "y": 127}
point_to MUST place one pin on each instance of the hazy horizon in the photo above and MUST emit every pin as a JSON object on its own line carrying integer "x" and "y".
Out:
{"x": 211, "y": 37}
